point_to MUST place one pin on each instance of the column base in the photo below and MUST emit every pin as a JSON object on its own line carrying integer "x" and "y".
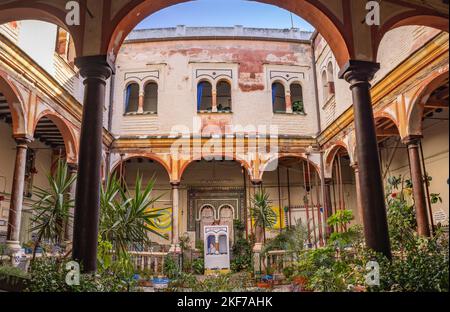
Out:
{"x": 13, "y": 247}
{"x": 258, "y": 265}
{"x": 175, "y": 248}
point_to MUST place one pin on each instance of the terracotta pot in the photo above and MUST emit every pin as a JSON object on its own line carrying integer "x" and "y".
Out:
{"x": 263, "y": 285}
{"x": 300, "y": 280}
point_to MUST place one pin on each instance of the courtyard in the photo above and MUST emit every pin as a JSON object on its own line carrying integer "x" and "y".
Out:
{"x": 139, "y": 154}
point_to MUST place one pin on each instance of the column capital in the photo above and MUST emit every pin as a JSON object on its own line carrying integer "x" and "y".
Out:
{"x": 175, "y": 184}
{"x": 23, "y": 140}
{"x": 328, "y": 181}
{"x": 72, "y": 167}
{"x": 355, "y": 71}
{"x": 256, "y": 182}
{"x": 95, "y": 66}
{"x": 354, "y": 165}
{"x": 412, "y": 139}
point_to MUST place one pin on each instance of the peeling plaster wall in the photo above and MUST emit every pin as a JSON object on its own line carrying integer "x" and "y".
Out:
{"x": 249, "y": 61}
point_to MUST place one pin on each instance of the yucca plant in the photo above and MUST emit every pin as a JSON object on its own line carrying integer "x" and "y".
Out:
{"x": 125, "y": 217}
{"x": 52, "y": 207}
{"x": 262, "y": 213}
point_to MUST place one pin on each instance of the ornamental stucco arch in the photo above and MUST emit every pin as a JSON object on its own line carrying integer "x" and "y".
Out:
{"x": 164, "y": 162}
{"x": 67, "y": 133}
{"x": 301, "y": 156}
{"x": 330, "y": 155}
{"x": 420, "y": 97}
{"x": 16, "y": 105}
{"x": 184, "y": 164}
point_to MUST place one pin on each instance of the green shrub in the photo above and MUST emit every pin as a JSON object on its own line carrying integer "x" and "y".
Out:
{"x": 171, "y": 268}
{"x": 242, "y": 252}
{"x": 198, "y": 266}
{"x": 49, "y": 275}
{"x": 8, "y": 270}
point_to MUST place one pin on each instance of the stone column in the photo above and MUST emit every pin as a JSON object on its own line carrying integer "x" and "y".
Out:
{"x": 175, "y": 248}
{"x": 141, "y": 103}
{"x": 15, "y": 208}
{"x": 359, "y": 206}
{"x": 289, "y": 108}
{"x": 423, "y": 227}
{"x": 358, "y": 74}
{"x": 214, "y": 100}
{"x": 327, "y": 204}
{"x": 68, "y": 230}
{"x": 95, "y": 70}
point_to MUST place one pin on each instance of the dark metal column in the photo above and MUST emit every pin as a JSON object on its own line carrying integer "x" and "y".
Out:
{"x": 358, "y": 74}
{"x": 420, "y": 205}
{"x": 96, "y": 70}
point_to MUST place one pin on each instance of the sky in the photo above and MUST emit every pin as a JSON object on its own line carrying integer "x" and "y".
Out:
{"x": 224, "y": 13}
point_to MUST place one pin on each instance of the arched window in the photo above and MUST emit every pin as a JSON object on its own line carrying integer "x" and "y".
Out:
{"x": 330, "y": 74}
{"x": 297, "y": 98}
{"x": 132, "y": 98}
{"x": 204, "y": 96}
{"x": 151, "y": 97}
{"x": 223, "y": 96}
{"x": 324, "y": 86}
{"x": 278, "y": 98}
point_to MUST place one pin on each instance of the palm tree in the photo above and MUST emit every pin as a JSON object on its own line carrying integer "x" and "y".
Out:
{"x": 52, "y": 207}
{"x": 125, "y": 218}
{"x": 262, "y": 212}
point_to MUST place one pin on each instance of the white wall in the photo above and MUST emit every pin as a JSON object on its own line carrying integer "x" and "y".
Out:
{"x": 38, "y": 40}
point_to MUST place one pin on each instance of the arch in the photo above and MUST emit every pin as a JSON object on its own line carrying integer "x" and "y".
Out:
{"x": 15, "y": 104}
{"x": 203, "y": 207}
{"x": 224, "y": 96}
{"x": 286, "y": 155}
{"x": 331, "y": 153}
{"x": 419, "y": 99}
{"x": 316, "y": 13}
{"x": 330, "y": 78}
{"x": 410, "y": 18}
{"x": 278, "y": 97}
{"x": 70, "y": 141}
{"x": 296, "y": 91}
{"x": 204, "y": 95}
{"x": 234, "y": 158}
{"x": 386, "y": 115}
{"x": 132, "y": 90}
{"x": 149, "y": 156}
{"x": 31, "y": 10}
{"x": 151, "y": 96}
{"x": 383, "y": 125}
{"x": 330, "y": 156}
{"x": 226, "y": 206}
{"x": 324, "y": 79}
